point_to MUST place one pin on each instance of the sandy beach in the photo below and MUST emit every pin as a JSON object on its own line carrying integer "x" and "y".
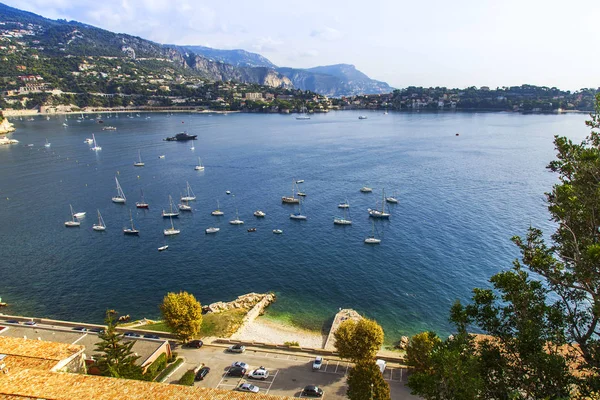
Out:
{"x": 268, "y": 331}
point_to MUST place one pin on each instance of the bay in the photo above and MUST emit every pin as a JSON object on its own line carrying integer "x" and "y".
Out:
{"x": 461, "y": 199}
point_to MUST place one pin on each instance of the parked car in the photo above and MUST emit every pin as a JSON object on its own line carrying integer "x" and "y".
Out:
{"x": 202, "y": 372}
{"x": 12, "y": 321}
{"x": 96, "y": 330}
{"x": 194, "y": 344}
{"x": 240, "y": 364}
{"x": 237, "y": 348}
{"x": 80, "y": 329}
{"x": 259, "y": 373}
{"x": 151, "y": 336}
{"x": 317, "y": 363}
{"x": 236, "y": 371}
{"x": 248, "y": 387}
{"x": 132, "y": 334}
{"x": 312, "y": 391}
{"x": 30, "y": 323}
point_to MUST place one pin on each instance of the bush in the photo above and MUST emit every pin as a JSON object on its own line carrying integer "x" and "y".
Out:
{"x": 291, "y": 344}
{"x": 173, "y": 357}
{"x": 158, "y": 365}
{"x": 188, "y": 378}
{"x": 171, "y": 367}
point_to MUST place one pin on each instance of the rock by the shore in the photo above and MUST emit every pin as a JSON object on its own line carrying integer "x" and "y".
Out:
{"x": 245, "y": 302}
{"x": 5, "y": 126}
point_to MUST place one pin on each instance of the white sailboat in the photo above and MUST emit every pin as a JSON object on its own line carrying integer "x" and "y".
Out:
{"x": 218, "y": 211}
{"x": 170, "y": 213}
{"x": 184, "y": 206}
{"x": 120, "y": 197}
{"x": 100, "y": 226}
{"x": 192, "y": 147}
{"x": 142, "y": 204}
{"x": 139, "y": 162}
{"x": 171, "y": 231}
{"x": 342, "y": 221}
{"x": 291, "y": 199}
{"x": 48, "y": 144}
{"x": 163, "y": 248}
{"x": 345, "y": 204}
{"x": 382, "y": 213}
{"x": 199, "y": 167}
{"x": 190, "y": 194}
{"x": 372, "y": 239}
{"x": 132, "y": 230}
{"x": 298, "y": 215}
{"x": 237, "y": 220}
{"x": 72, "y": 222}
{"x": 393, "y": 199}
{"x": 96, "y": 147}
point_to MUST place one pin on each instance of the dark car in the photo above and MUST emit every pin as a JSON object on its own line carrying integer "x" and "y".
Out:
{"x": 236, "y": 371}
{"x": 96, "y": 330}
{"x": 30, "y": 323}
{"x": 12, "y": 321}
{"x": 132, "y": 334}
{"x": 150, "y": 336}
{"x": 80, "y": 329}
{"x": 194, "y": 344}
{"x": 313, "y": 391}
{"x": 202, "y": 372}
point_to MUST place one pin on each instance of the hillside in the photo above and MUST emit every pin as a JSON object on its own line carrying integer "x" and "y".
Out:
{"x": 238, "y": 58}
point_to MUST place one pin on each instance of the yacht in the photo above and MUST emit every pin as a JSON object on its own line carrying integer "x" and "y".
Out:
{"x": 171, "y": 231}
{"x": 218, "y": 211}
{"x": 211, "y": 230}
{"x": 380, "y": 213}
{"x": 277, "y": 231}
{"x": 132, "y": 230}
{"x": 171, "y": 212}
{"x": 259, "y": 213}
{"x": 72, "y": 222}
{"x": 366, "y": 189}
{"x": 100, "y": 226}
{"x": 163, "y": 248}
{"x": 120, "y": 197}
{"x": 362, "y": 117}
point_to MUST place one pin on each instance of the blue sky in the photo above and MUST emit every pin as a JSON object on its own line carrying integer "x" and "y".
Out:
{"x": 455, "y": 43}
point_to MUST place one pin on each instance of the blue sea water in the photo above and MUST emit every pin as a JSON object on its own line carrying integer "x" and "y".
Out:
{"x": 461, "y": 199}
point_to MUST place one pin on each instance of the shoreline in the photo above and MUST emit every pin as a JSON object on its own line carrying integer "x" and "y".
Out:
{"x": 267, "y": 330}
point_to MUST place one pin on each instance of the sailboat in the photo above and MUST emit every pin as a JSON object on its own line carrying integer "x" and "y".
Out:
{"x": 192, "y": 148}
{"x": 48, "y": 144}
{"x": 345, "y": 204}
{"x": 171, "y": 213}
{"x": 291, "y": 199}
{"x": 139, "y": 162}
{"x": 372, "y": 239}
{"x": 382, "y": 213}
{"x": 100, "y": 226}
{"x": 299, "y": 193}
{"x": 96, "y": 147}
{"x": 142, "y": 204}
{"x": 163, "y": 248}
{"x": 392, "y": 199}
{"x": 199, "y": 167}
{"x": 366, "y": 189}
{"x": 171, "y": 231}
{"x": 342, "y": 221}
{"x": 184, "y": 206}
{"x": 132, "y": 230}
{"x": 298, "y": 215}
{"x": 218, "y": 211}
{"x": 120, "y": 197}
{"x": 72, "y": 222}
{"x": 190, "y": 194}
{"x": 237, "y": 220}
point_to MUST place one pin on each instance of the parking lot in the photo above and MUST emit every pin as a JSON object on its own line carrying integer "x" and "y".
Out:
{"x": 288, "y": 374}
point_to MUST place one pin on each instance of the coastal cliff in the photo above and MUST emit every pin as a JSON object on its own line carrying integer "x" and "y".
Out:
{"x": 5, "y": 126}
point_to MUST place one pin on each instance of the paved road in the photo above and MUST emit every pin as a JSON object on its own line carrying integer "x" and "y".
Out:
{"x": 288, "y": 373}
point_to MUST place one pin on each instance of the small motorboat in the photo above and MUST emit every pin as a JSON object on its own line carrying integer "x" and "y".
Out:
{"x": 88, "y": 141}
{"x": 211, "y": 230}
{"x": 277, "y": 231}
{"x": 79, "y": 215}
{"x": 259, "y": 213}
{"x": 184, "y": 207}
{"x": 227, "y": 192}
{"x": 162, "y": 156}
{"x": 163, "y": 248}
{"x": 251, "y": 229}
{"x": 300, "y": 181}
{"x": 366, "y": 189}
{"x": 302, "y": 194}
{"x": 362, "y": 117}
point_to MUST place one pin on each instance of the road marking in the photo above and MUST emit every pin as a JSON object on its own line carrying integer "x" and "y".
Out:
{"x": 326, "y": 365}
{"x": 274, "y": 376}
{"x": 347, "y": 366}
{"x": 336, "y": 367}
{"x": 81, "y": 337}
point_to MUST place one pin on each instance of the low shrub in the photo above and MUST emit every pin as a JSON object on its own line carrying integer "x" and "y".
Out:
{"x": 170, "y": 368}
{"x": 292, "y": 344}
{"x": 188, "y": 378}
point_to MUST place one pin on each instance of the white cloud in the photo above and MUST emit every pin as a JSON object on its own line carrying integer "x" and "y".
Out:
{"x": 327, "y": 33}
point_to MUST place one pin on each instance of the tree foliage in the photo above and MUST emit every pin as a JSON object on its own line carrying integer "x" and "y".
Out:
{"x": 418, "y": 352}
{"x": 114, "y": 356}
{"x": 365, "y": 382}
{"x": 542, "y": 316}
{"x": 183, "y": 314}
{"x": 358, "y": 341}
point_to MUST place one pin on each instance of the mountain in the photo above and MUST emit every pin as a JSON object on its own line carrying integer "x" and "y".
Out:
{"x": 58, "y": 39}
{"x": 238, "y": 58}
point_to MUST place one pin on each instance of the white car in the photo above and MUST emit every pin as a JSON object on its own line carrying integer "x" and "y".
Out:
{"x": 248, "y": 387}
{"x": 317, "y": 363}
{"x": 240, "y": 364}
{"x": 237, "y": 348}
{"x": 260, "y": 373}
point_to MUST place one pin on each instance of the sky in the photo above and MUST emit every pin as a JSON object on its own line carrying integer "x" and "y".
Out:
{"x": 456, "y": 43}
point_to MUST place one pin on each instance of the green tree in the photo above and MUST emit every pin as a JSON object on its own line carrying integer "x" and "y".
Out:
{"x": 183, "y": 314}
{"x": 418, "y": 352}
{"x": 365, "y": 382}
{"x": 115, "y": 357}
{"x": 358, "y": 341}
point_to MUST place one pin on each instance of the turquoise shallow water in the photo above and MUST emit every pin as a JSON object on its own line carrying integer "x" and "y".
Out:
{"x": 461, "y": 199}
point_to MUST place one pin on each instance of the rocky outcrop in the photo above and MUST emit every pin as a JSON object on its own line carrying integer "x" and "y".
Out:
{"x": 244, "y": 302}
{"x": 5, "y": 126}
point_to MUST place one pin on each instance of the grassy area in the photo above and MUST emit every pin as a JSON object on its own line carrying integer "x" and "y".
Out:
{"x": 168, "y": 370}
{"x": 222, "y": 324}
{"x": 159, "y": 326}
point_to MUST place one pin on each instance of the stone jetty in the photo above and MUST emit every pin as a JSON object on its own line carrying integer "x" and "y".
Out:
{"x": 340, "y": 317}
